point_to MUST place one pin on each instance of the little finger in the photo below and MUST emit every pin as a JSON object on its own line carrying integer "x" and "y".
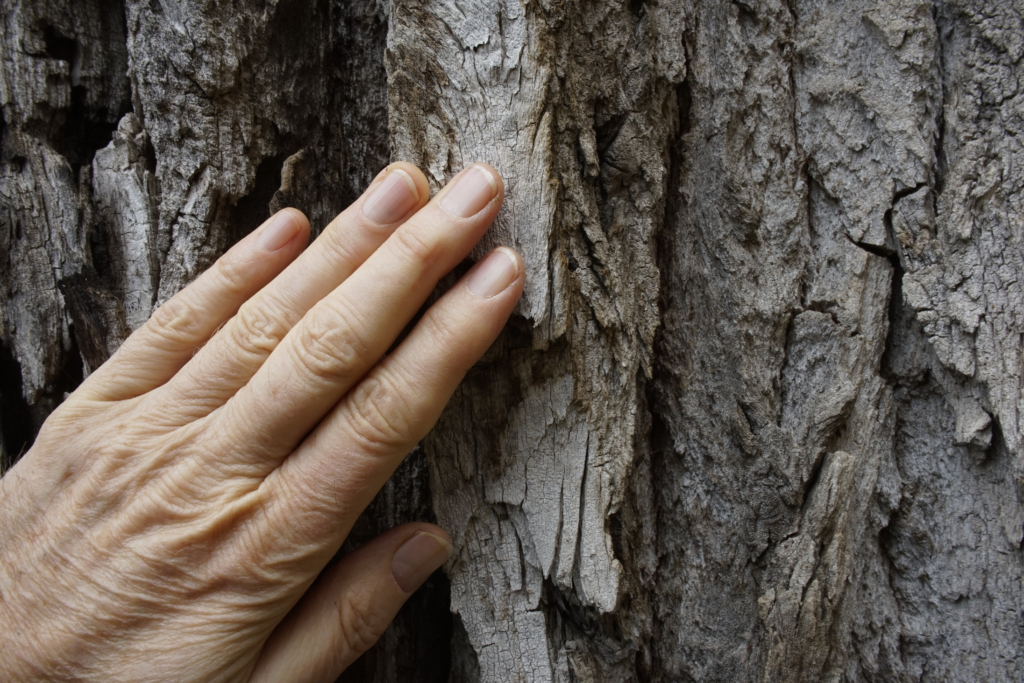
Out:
{"x": 162, "y": 346}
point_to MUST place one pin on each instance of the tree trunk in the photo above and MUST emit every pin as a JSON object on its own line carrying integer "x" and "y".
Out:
{"x": 760, "y": 413}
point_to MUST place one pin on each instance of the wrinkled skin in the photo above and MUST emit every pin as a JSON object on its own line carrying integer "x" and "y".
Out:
{"x": 173, "y": 518}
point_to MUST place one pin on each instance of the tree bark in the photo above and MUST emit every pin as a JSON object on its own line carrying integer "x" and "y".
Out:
{"x": 760, "y": 413}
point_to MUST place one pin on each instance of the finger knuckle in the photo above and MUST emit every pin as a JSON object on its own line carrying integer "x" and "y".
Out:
{"x": 174, "y": 321}
{"x": 360, "y": 622}
{"x": 317, "y": 517}
{"x": 233, "y": 275}
{"x": 337, "y": 246}
{"x": 256, "y": 331}
{"x": 329, "y": 346}
{"x": 256, "y": 543}
{"x": 412, "y": 246}
{"x": 382, "y": 420}
{"x": 446, "y": 332}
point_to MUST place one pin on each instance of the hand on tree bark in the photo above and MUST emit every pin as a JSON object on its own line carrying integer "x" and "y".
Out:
{"x": 173, "y": 518}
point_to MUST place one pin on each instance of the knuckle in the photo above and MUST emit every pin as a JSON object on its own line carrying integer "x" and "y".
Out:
{"x": 335, "y": 242}
{"x": 360, "y": 622}
{"x": 256, "y": 543}
{"x": 328, "y": 346}
{"x": 233, "y": 275}
{"x": 447, "y": 333}
{"x": 256, "y": 331}
{"x": 381, "y": 418}
{"x": 174, "y": 321}
{"x": 414, "y": 248}
{"x": 318, "y": 515}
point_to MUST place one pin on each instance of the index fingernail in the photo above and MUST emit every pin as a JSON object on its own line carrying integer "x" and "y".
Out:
{"x": 392, "y": 198}
{"x": 280, "y": 230}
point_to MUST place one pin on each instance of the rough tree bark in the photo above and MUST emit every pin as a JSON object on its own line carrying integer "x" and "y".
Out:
{"x": 760, "y": 414}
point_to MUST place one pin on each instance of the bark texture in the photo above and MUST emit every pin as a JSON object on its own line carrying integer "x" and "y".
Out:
{"x": 760, "y": 414}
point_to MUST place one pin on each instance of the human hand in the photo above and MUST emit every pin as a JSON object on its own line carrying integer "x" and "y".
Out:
{"x": 177, "y": 506}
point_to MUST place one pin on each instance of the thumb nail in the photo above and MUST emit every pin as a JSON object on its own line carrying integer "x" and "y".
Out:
{"x": 418, "y": 558}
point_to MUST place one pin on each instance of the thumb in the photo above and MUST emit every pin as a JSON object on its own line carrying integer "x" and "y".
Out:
{"x": 349, "y": 607}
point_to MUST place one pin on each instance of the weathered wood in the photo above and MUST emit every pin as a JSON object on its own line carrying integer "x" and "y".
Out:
{"x": 759, "y": 415}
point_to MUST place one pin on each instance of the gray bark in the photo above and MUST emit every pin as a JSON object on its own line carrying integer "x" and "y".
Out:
{"x": 760, "y": 414}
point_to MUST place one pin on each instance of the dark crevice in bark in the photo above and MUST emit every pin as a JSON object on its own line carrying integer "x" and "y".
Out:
{"x": 660, "y": 446}
{"x": 812, "y": 480}
{"x": 898, "y": 195}
{"x": 684, "y": 102}
{"x": 895, "y": 310}
{"x": 997, "y": 447}
{"x": 896, "y": 280}
{"x": 615, "y": 530}
{"x": 85, "y": 127}
{"x": 103, "y": 262}
{"x": 96, "y": 315}
{"x": 15, "y": 417}
{"x": 84, "y": 132}
{"x": 813, "y": 238}
{"x": 662, "y": 452}
{"x": 885, "y": 541}
{"x": 597, "y": 268}
{"x": 465, "y": 665}
{"x": 876, "y": 249}
{"x": 896, "y": 307}
{"x": 745, "y": 12}
{"x": 254, "y": 208}
{"x": 59, "y": 46}
{"x": 807, "y": 276}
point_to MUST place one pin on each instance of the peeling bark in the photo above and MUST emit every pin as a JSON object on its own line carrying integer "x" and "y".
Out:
{"x": 760, "y": 414}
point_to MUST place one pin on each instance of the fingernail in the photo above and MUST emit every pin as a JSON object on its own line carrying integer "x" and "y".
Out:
{"x": 392, "y": 198}
{"x": 418, "y": 558}
{"x": 279, "y": 231}
{"x": 470, "y": 193}
{"x": 497, "y": 271}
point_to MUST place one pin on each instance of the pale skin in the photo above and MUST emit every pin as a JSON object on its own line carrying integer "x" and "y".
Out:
{"x": 174, "y": 516}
